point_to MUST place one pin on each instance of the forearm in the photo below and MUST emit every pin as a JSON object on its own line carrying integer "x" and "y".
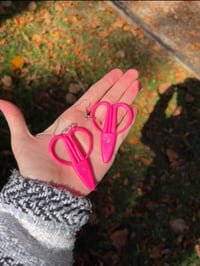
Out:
{"x": 38, "y": 223}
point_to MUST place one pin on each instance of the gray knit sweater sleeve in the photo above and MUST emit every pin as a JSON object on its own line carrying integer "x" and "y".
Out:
{"x": 38, "y": 223}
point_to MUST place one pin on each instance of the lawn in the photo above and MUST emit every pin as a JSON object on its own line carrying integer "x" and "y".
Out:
{"x": 146, "y": 210}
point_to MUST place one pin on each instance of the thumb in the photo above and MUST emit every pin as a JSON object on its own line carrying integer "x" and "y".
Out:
{"x": 15, "y": 120}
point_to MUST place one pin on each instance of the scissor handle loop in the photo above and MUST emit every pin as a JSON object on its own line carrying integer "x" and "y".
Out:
{"x": 114, "y": 116}
{"x": 51, "y": 149}
{"x": 63, "y": 137}
{"x": 81, "y": 129}
{"x": 92, "y": 112}
{"x": 129, "y": 111}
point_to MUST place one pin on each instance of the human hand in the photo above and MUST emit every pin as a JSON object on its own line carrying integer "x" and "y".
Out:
{"x": 31, "y": 152}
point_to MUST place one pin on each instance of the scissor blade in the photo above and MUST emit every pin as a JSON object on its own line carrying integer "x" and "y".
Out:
{"x": 108, "y": 120}
{"x": 84, "y": 171}
{"x": 73, "y": 150}
{"x": 107, "y": 146}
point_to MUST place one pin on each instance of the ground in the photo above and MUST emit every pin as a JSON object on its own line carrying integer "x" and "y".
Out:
{"x": 146, "y": 210}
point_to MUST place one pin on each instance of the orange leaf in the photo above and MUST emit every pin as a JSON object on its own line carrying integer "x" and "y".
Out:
{"x": 135, "y": 7}
{"x": 146, "y": 161}
{"x": 118, "y": 24}
{"x": 17, "y": 62}
{"x": 95, "y": 24}
{"x": 103, "y": 34}
{"x": 42, "y": 11}
{"x": 55, "y": 35}
{"x": 3, "y": 41}
{"x": 127, "y": 28}
{"x": 70, "y": 41}
{"x": 36, "y": 38}
{"x": 20, "y": 21}
{"x": 138, "y": 31}
{"x": 163, "y": 87}
{"x": 193, "y": 33}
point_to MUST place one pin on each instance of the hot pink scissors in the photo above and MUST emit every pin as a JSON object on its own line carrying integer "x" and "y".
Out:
{"x": 109, "y": 132}
{"x": 79, "y": 161}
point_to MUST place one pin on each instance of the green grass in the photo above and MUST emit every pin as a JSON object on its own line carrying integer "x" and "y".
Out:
{"x": 142, "y": 192}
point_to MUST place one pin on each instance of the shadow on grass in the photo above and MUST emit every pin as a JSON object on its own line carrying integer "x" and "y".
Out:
{"x": 172, "y": 181}
{"x": 12, "y": 9}
{"x": 161, "y": 220}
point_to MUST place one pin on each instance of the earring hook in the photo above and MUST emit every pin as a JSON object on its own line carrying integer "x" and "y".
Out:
{"x": 86, "y": 116}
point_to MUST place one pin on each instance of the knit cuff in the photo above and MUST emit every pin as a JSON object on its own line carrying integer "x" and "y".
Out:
{"x": 44, "y": 205}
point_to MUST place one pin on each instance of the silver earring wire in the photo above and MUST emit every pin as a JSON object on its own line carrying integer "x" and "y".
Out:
{"x": 86, "y": 116}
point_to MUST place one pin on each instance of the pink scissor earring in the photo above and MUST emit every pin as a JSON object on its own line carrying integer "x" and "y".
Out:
{"x": 109, "y": 131}
{"x": 79, "y": 160}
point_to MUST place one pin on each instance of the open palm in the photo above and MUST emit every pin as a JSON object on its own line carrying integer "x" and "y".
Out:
{"x": 31, "y": 152}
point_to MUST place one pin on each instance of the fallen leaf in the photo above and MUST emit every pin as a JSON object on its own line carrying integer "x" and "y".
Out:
{"x": 3, "y": 41}
{"x": 7, "y": 81}
{"x": 127, "y": 28}
{"x": 126, "y": 181}
{"x": 134, "y": 140}
{"x": 146, "y": 161}
{"x": 56, "y": 35}
{"x": 119, "y": 238}
{"x": 118, "y": 24}
{"x": 155, "y": 252}
{"x": 103, "y": 34}
{"x": 42, "y": 11}
{"x": 163, "y": 87}
{"x": 197, "y": 248}
{"x": 36, "y": 38}
{"x": 178, "y": 225}
{"x": 135, "y": 7}
{"x": 60, "y": 69}
{"x": 70, "y": 41}
{"x": 32, "y": 6}
{"x": 58, "y": 8}
{"x": 20, "y": 21}
{"x": 120, "y": 54}
{"x": 172, "y": 155}
{"x": 139, "y": 191}
{"x": 177, "y": 111}
{"x": 17, "y": 62}
{"x": 74, "y": 88}
{"x": 25, "y": 37}
{"x": 70, "y": 98}
{"x": 95, "y": 24}
{"x": 193, "y": 33}
{"x": 151, "y": 20}
{"x": 138, "y": 31}
{"x": 180, "y": 76}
